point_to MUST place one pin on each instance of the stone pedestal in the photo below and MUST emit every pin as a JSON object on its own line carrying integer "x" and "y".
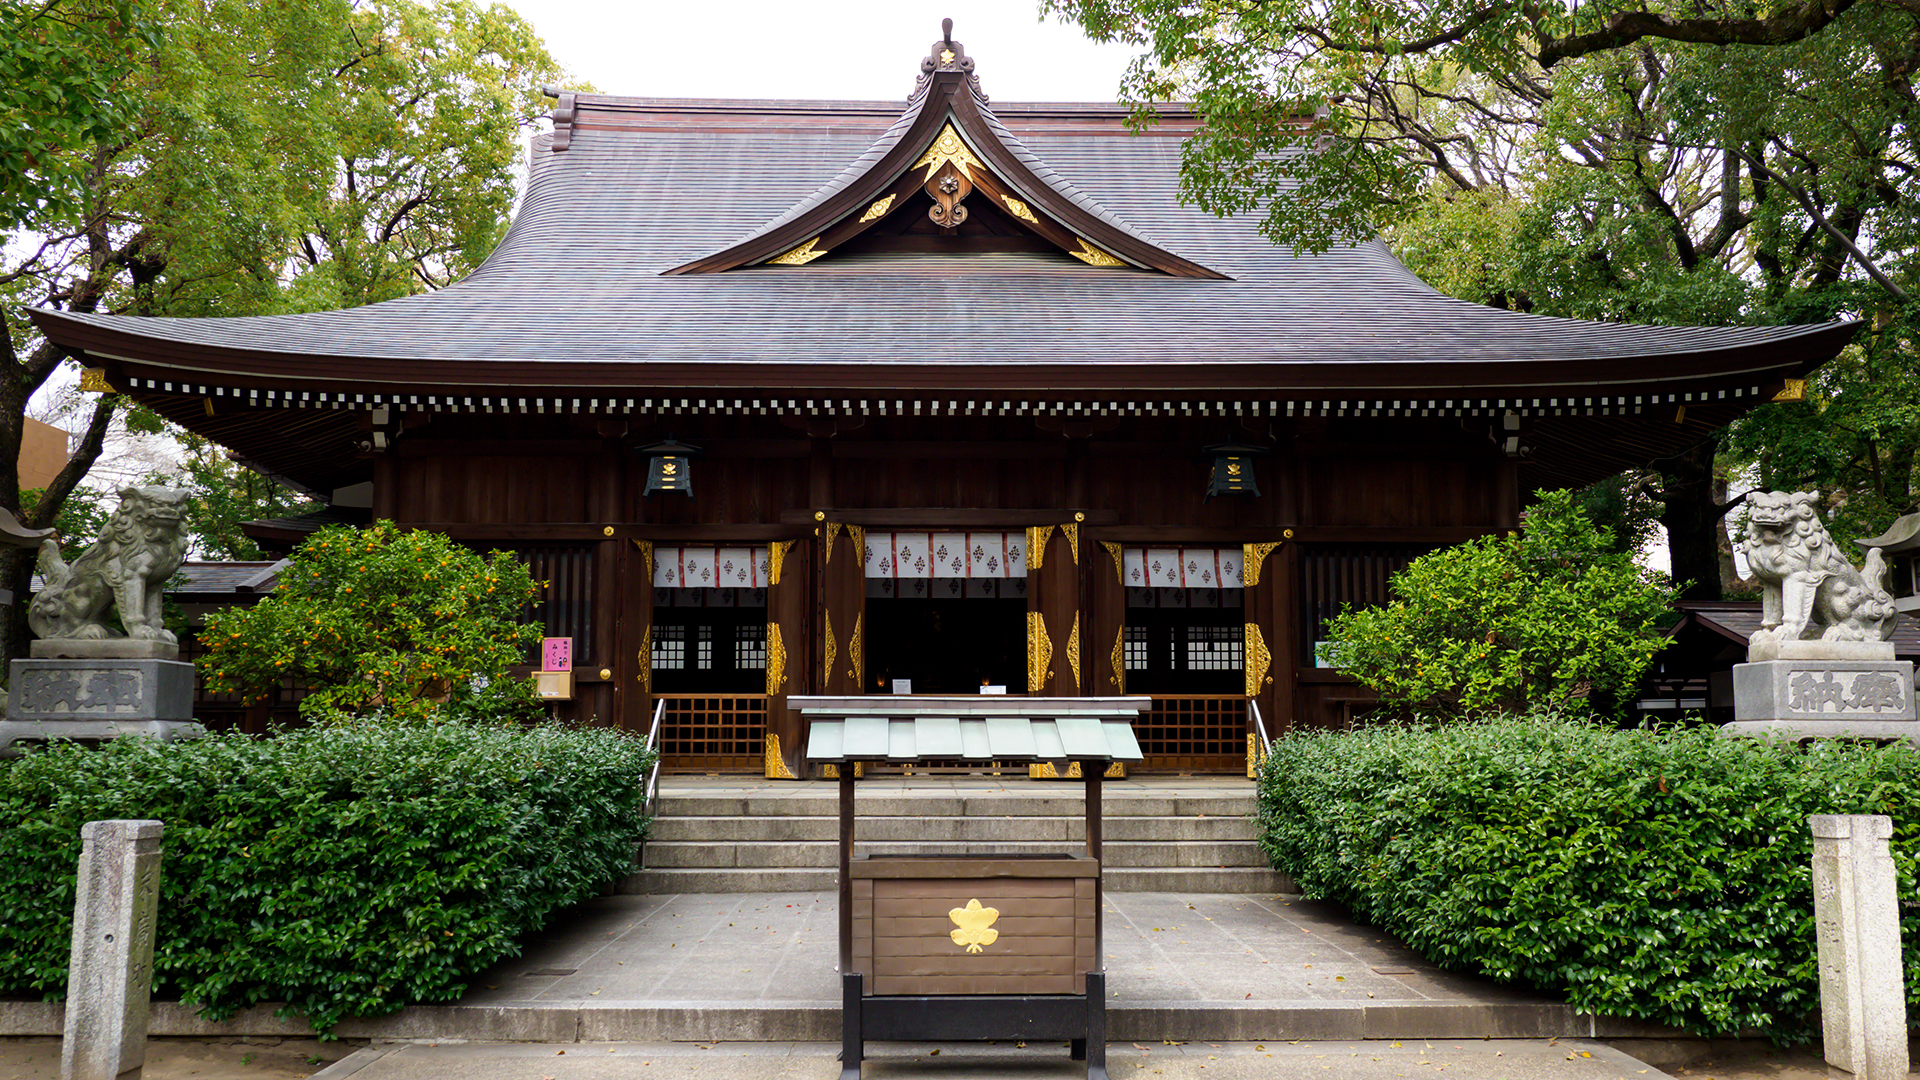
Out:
{"x": 1825, "y": 698}
{"x": 96, "y": 699}
{"x": 110, "y": 975}
{"x": 1863, "y": 1008}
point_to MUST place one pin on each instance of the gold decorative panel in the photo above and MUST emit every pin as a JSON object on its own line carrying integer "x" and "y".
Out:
{"x": 1118, "y": 660}
{"x": 1039, "y": 652}
{"x": 1258, "y": 660}
{"x": 833, "y": 530}
{"x": 646, "y": 555}
{"x": 1252, "y": 556}
{"x": 949, "y": 147}
{"x": 856, "y": 669}
{"x": 1019, "y": 209}
{"x": 1073, "y": 652}
{"x": 857, "y": 536}
{"x": 776, "y": 659}
{"x": 1093, "y": 256}
{"x": 777, "y": 764}
{"x": 646, "y": 659}
{"x": 801, "y": 255}
{"x": 1119, "y": 560}
{"x": 1072, "y": 533}
{"x": 878, "y": 209}
{"x": 1791, "y": 390}
{"x": 826, "y": 621}
{"x": 777, "y": 558}
{"x": 1037, "y": 537}
{"x": 1253, "y": 755}
{"x": 93, "y": 380}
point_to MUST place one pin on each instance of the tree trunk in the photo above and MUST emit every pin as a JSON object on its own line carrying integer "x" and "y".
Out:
{"x": 1692, "y": 516}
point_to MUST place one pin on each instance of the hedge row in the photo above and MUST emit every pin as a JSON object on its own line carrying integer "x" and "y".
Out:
{"x": 1662, "y": 875}
{"x": 343, "y": 871}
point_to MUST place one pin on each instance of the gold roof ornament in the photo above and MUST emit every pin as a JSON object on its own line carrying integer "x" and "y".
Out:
{"x": 801, "y": 255}
{"x": 949, "y": 147}
{"x": 1093, "y": 256}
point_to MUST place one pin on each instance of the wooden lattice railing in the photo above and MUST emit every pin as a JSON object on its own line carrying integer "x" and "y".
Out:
{"x": 713, "y": 732}
{"x": 1194, "y": 733}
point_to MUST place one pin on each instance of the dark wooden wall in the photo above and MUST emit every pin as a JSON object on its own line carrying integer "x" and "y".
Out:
{"x": 1352, "y": 498}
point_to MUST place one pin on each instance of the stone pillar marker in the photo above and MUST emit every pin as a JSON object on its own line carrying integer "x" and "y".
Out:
{"x": 1863, "y": 1006}
{"x": 110, "y": 975}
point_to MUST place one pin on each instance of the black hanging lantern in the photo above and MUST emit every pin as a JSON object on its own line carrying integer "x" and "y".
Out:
{"x": 670, "y": 467}
{"x": 1232, "y": 472}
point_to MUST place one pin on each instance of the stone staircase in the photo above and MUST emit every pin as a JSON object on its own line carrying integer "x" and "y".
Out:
{"x": 1181, "y": 835}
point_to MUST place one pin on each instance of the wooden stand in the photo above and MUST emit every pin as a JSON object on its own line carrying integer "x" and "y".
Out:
{"x": 928, "y": 944}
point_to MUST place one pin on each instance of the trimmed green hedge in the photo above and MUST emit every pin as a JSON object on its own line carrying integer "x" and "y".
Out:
{"x": 1662, "y": 875}
{"x": 343, "y": 871}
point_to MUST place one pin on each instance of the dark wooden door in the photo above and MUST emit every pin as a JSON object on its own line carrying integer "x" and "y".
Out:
{"x": 1272, "y": 654}
{"x": 840, "y": 652}
{"x": 633, "y": 656}
{"x": 1053, "y": 611}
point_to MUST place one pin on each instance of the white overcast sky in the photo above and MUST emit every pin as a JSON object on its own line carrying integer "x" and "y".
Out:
{"x": 858, "y": 49}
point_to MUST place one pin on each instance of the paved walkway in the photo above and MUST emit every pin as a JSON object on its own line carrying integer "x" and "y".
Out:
{"x": 1570, "y": 1059}
{"x": 760, "y": 967}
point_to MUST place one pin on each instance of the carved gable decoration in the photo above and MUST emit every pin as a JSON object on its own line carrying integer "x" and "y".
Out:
{"x": 948, "y": 176}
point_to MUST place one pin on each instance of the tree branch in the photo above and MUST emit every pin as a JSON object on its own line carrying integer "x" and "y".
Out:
{"x": 1794, "y": 23}
{"x": 1872, "y": 268}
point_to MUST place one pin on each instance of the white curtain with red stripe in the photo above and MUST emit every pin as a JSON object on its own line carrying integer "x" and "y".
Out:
{"x": 946, "y": 555}
{"x": 1183, "y": 568}
{"x": 709, "y": 567}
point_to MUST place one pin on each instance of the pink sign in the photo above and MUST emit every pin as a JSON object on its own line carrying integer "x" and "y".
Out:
{"x": 556, "y": 654}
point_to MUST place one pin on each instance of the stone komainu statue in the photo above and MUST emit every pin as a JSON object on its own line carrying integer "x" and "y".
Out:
{"x": 1812, "y": 591}
{"x": 142, "y": 547}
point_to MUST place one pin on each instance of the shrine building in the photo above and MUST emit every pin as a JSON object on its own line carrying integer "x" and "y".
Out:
{"x": 835, "y": 397}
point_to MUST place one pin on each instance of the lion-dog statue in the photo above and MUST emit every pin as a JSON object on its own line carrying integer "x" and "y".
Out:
{"x": 142, "y": 546}
{"x": 1812, "y": 591}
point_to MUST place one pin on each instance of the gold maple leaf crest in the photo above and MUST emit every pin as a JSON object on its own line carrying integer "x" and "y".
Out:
{"x": 976, "y": 925}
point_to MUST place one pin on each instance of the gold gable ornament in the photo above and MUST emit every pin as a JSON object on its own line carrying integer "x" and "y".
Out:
{"x": 801, "y": 255}
{"x": 93, "y": 380}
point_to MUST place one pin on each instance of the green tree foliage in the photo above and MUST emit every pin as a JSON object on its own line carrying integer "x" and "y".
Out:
{"x": 224, "y": 157}
{"x": 1550, "y": 617}
{"x": 1661, "y": 163}
{"x": 224, "y": 494}
{"x": 383, "y": 623}
{"x": 1660, "y": 875}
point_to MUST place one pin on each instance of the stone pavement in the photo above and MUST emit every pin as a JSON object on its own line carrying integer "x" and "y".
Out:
{"x": 762, "y": 967}
{"x": 1500, "y": 1059}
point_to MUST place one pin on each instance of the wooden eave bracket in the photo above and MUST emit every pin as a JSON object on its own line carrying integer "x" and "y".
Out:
{"x": 1000, "y": 178}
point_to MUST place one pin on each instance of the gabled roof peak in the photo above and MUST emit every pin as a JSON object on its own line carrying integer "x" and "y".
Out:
{"x": 911, "y": 192}
{"x": 946, "y": 55}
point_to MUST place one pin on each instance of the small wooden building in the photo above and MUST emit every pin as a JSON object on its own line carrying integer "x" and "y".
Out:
{"x": 976, "y": 401}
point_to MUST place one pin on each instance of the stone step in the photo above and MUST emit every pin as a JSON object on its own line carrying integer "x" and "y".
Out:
{"x": 1195, "y": 880}
{"x": 669, "y": 854}
{"x": 1191, "y": 880}
{"x": 780, "y": 830}
{"x": 826, "y": 804}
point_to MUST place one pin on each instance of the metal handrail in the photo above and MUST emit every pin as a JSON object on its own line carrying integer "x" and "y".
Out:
{"x": 653, "y": 778}
{"x": 1259, "y": 727}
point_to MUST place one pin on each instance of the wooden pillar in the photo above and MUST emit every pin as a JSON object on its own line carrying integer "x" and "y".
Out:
{"x": 789, "y": 671}
{"x": 1106, "y": 603}
{"x": 1270, "y": 650}
{"x": 633, "y": 656}
{"x": 842, "y": 577}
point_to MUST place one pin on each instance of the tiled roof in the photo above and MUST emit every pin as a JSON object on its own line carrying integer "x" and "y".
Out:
{"x": 575, "y": 297}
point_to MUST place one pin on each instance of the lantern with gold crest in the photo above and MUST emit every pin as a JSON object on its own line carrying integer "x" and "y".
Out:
{"x": 670, "y": 467}
{"x": 1232, "y": 472}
